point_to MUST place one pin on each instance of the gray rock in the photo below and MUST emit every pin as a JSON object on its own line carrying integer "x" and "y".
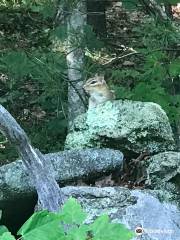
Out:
{"x": 163, "y": 172}
{"x": 159, "y": 221}
{"x": 127, "y": 125}
{"x": 17, "y": 194}
{"x": 66, "y": 166}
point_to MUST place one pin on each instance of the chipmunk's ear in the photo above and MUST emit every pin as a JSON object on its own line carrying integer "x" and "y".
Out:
{"x": 101, "y": 78}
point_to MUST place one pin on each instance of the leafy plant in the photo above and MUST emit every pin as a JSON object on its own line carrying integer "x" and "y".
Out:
{"x": 35, "y": 85}
{"x": 68, "y": 224}
{"x": 35, "y": 91}
{"x": 155, "y": 76}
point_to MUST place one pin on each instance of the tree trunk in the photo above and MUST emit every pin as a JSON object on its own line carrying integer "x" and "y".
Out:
{"x": 75, "y": 62}
{"x": 96, "y": 16}
{"x": 40, "y": 171}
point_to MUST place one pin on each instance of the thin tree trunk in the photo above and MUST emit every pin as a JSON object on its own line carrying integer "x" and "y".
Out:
{"x": 96, "y": 16}
{"x": 40, "y": 172}
{"x": 75, "y": 62}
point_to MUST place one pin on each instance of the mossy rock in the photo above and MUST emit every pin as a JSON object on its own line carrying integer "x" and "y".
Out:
{"x": 130, "y": 126}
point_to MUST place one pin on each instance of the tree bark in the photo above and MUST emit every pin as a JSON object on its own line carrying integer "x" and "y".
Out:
{"x": 75, "y": 62}
{"x": 50, "y": 195}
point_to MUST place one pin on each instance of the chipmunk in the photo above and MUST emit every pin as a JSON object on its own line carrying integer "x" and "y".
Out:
{"x": 98, "y": 90}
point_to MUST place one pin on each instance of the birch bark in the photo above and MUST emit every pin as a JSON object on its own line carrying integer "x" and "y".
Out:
{"x": 75, "y": 61}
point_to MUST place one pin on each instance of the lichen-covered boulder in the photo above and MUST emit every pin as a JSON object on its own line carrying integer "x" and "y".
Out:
{"x": 127, "y": 125}
{"x": 163, "y": 172}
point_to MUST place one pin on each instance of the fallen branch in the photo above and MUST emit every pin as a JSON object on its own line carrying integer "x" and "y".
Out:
{"x": 50, "y": 195}
{"x": 112, "y": 60}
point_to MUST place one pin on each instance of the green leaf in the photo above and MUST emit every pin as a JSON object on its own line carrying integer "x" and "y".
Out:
{"x": 72, "y": 212}
{"x": 103, "y": 229}
{"x": 99, "y": 225}
{"x": 40, "y": 224}
{"x": 7, "y": 236}
{"x": 3, "y": 229}
{"x": 120, "y": 232}
{"x": 78, "y": 233}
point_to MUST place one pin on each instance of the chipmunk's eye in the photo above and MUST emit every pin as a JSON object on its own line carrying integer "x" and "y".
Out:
{"x": 93, "y": 82}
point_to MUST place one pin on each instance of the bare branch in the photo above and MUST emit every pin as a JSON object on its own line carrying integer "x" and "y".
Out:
{"x": 49, "y": 194}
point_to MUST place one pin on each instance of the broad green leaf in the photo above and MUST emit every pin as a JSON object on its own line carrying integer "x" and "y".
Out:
{"x": 103, "y": 229}
{"x": 120, "y": 232}
{"x": 72, "y": 212}
{"x": 79, "y": 233}
{"x": 99, "y": 225}
{"x": 3, "y": 229}
{"x": 42, "y": 225}
{"x": 7, "y": 236}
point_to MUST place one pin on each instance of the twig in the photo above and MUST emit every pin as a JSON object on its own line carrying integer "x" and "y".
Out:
{"x": 117, "y": 58}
